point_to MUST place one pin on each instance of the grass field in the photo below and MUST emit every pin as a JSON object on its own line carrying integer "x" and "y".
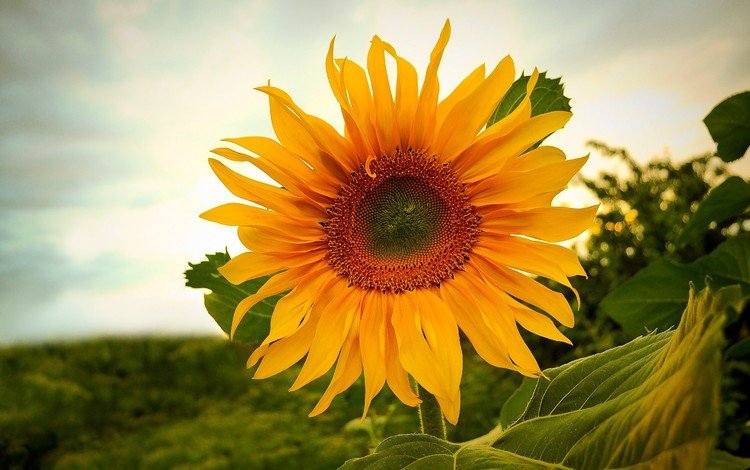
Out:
{"x": 189, "y": 403}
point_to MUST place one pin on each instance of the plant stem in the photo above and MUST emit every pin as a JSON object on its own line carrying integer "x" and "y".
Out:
{"x": 487, "y": 439}
{"x": 430, "y": 416}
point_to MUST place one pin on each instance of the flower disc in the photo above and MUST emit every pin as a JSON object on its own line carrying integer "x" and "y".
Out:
{"x": 402, "y": 222}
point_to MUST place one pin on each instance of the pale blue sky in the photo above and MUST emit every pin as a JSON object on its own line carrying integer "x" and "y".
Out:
{"x": 109, "y": 110}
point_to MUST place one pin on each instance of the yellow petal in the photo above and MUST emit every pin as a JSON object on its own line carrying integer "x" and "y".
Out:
{"x": 469, "y": 116}
{"x": 290, "y": 182}
{"x": 458, "y": 295}
{"x": 383, "y": 100}
{"x": 464, "y": 89}
{"x": 373, "y": 346}
{"x": 535, "y": 159}
{"x": 427, "y": 336}
{"x": 276, "y": 154}
{"x": 534, "y": 202}
{"x": 336, "y": 81}
{"x": 396, "y": 377}
{"x": 272, "y": 197}
{"x": 414, "y": 352}
{"x": 330, "y": 142}
{"x": 538, "y": 324}
{"x": 236, "y": 214}
{"x": 348, "y": 369}
{"x": 406, "y": 95}
{"x": 287, "y": 316}
{"x": 552, "y": 224}
{"x": 551, "y": 261}
{"x": 248, "y": 266}
{"x": 285, "y": 352}
{"x": 441, "y": 332}
{"x": 334, "y": 78}
{"x": 523, "y": 287}
{"x": 498, "y": 151}
{"x": 500, "y": 320}
{"x": 295, "y": 135}
{"x": 296, "y": 304}
{"x": 508, "y": 187}
{"x": 337, "y": 306}
{"x": 358, "y": 90}
{"x": 425, "y": 115}
{"x": 263, "y": 241}
{"x": 279, "y": 283}
{"x": 520, "y": 114}
{"x": 252, "y": 236}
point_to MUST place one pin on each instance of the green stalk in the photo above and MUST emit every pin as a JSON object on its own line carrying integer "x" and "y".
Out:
{"x": 430, "y": 417}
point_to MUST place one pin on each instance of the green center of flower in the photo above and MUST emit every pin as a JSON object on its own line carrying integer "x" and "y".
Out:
{"x": 402, "y": 217}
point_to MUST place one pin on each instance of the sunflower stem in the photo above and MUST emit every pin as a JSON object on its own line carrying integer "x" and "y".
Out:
{"x": 430, "y": 416}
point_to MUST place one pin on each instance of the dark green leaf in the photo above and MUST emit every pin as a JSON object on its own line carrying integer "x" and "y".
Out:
{"x": 655, "y": 297}
{"x": 548, "y": 95}
{"x": 727, "y": 200}
{"x": 720, "y": 460}
{"x": 729, "y": 125}
{"x": 225, "y": 296}
{"x": 424, "y": 452}
{"x": 739, "y": 349}
{"x": 515, "y": 406}
{"x": 634, "y": 404}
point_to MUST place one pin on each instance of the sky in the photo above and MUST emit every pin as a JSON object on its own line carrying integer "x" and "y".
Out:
{"x": 109, "y": 111}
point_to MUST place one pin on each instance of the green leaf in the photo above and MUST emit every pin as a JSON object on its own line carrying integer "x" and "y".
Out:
{"x": 652, "y": 402}
{"x": 515, "y": 405}
{"x": 727, "y": 200}
{"x": 720, "y": 460}
{"x": 729, "y": 126}
{"x": 421, "y": 451}
{"x": 739, "y": 349}
{"x": 225, "y": 296}
{"x": 548, "y": 95}
{"x": 655, "y": 297}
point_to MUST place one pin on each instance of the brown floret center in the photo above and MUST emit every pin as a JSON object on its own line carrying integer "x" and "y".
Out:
{"x": 402, "y": 222}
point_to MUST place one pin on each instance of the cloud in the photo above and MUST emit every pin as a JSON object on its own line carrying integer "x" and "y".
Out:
{"x": 110, "y": 108}
{"x": 35, "y": 271}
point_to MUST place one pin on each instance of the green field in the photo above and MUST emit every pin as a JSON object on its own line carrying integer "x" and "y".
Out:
{"x": 189, "y": 403}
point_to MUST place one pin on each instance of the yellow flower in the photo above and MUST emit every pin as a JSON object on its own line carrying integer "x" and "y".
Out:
{"x": 416, "y": 223}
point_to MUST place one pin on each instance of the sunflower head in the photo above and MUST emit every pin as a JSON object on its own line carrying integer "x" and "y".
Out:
{"x": 414, "y": 223}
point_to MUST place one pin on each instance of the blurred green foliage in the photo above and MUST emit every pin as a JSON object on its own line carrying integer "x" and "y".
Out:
{"x": 159, "y": 403}
{"x": 643, "y": 209}
{"x": 189, "y": 403}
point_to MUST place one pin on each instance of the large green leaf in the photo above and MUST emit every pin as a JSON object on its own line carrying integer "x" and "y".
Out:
{"x": 729, "y": 125}
{"x": 225, "y": 296}
{"x": 727, "y": 200}
{"x": 420, "y": 451}
{"x": 548, "y": 95}
{"x": 515, "y": 405}
{"x": 653, "y": 402}
{"x": 655, "y": 297}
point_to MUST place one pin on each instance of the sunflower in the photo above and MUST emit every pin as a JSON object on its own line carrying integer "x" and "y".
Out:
{"x": 417, "y": 223}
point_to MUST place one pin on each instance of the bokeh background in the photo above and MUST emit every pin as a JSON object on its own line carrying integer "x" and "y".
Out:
{"x": 109, "y": 110}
